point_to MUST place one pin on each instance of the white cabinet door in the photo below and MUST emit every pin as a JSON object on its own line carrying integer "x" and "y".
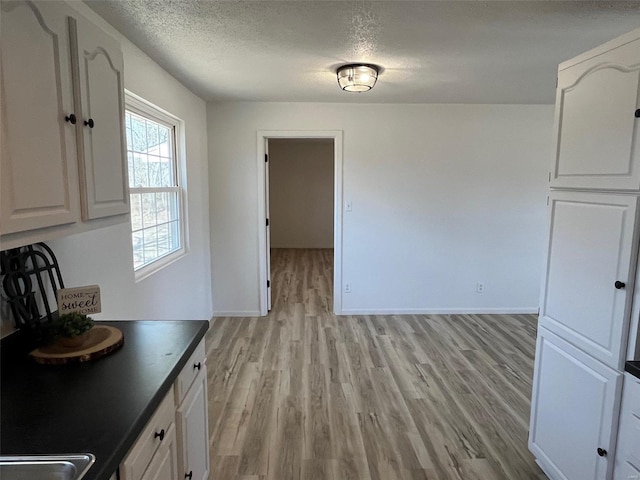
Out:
{"x": 590, "y": 248}
{"x": 597, "y": 132}
{"x": 572, "y": 411}
{"x": 100, "y": 91}
{"x": 193, "y": 434}
{"x": 38, "y": 157}
{"x": 164, "y": 466}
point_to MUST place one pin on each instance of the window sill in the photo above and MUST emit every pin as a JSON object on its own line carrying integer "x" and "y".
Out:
{"x": 159, "y": 264}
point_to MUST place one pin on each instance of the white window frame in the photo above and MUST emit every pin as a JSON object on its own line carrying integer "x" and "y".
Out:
{"x": 142, "y": 107}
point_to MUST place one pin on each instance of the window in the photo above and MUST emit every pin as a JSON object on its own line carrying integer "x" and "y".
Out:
{"x": 154, "y": 185}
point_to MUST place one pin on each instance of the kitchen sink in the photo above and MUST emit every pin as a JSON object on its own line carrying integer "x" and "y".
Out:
{"x": 45, "y": 467}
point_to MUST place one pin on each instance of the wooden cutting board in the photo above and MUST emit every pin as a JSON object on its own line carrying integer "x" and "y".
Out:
{"x": 101, "y": 341}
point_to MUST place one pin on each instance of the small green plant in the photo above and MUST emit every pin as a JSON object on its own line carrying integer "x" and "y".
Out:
{"x": 72, "y": 325}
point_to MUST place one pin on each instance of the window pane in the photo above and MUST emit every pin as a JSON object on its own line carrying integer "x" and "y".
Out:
{"x": 162, "y": 205}
{"x": 164, "y": 242}
{"x": 140, "y": 170}
{"x": 130, "y": 162}
{"x": 138, "y": 134}
{"x": 136, "y": 211}
{"x": 148, "y": 209}
{"x": 150, "y": 243}
{"x": 174, "y": 205}
{"x": 175, "y": 236}
{"x": 138, "y": 255}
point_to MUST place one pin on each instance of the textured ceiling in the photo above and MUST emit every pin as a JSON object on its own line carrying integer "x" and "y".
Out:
{"x": 430, "y": 51}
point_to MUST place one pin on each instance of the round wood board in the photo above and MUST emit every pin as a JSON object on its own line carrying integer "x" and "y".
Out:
{"x": 102, "y": 340}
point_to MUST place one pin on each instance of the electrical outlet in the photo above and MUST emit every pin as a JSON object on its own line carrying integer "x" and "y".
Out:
{"x": 347, "y": 288}
{"x": 479, "y": 287}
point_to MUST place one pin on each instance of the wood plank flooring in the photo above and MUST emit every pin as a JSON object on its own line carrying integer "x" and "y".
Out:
{"x": 303, "y": 394}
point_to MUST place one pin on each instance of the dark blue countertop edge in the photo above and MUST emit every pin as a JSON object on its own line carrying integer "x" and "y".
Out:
{"x": 633, "y": 367}
{"x": 109, "y": 457}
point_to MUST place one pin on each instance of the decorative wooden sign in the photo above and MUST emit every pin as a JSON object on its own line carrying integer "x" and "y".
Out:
{"x": 85, "y": 300}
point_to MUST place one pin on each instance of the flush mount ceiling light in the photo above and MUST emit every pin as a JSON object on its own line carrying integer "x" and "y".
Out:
{"x": 357, "y": 77}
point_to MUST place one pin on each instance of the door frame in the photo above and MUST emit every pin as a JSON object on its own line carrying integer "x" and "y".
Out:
{"x": 262, "y": 139}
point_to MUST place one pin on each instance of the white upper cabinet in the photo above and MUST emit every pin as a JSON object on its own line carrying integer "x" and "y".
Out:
{"x": 572, "y": 411}
{"x": 98, "y": 64}
{"x": 38, "y": 165}
{"x": 62, "y": 105}
{"x": 588, "y": 287}
{"x": 596, "y": 120}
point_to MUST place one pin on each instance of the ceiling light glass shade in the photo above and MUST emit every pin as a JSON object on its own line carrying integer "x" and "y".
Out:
{"x": 357, "y": 78}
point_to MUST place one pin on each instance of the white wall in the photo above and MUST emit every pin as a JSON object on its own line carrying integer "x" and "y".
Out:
{"x": 301, "y": 193}
{"x": 443, "y": 196}
{"x": 183, "y": 289}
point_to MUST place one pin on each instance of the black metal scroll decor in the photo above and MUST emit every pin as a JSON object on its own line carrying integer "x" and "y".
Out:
{"x": 30, "y": 278}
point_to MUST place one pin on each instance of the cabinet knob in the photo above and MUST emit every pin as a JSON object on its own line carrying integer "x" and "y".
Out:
{"x": 189, "y": 475}
{"x": 160, "y": 435}
{"x": 638, "y": 113}
{"x": 71, "y": 119}
{"x": 602, "y": 452}
{"x": 89, "y": 123}
{"x": 619, "y": 285}
{"x": 197, "y": 365}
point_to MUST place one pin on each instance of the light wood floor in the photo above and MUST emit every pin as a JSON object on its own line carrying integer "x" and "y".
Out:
{"x": 303, "y": 394}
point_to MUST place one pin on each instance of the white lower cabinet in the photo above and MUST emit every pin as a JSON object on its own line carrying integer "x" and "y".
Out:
{"x": 573, "y": 411}
{"x": 627, "y": 462}
{"x": 175, "y": 442}
{"x": 192, "y": 419}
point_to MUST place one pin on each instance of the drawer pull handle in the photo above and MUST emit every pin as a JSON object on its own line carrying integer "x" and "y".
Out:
{"x": 197, "y": 365}
{"x": 619, "y": 285}
{"x": 189, "y": 475}
{"x": 602, "y": 452}
{"x": 161, "y": 435}
{"x": 89, "y": 123}
{"x": 71, "y": 119}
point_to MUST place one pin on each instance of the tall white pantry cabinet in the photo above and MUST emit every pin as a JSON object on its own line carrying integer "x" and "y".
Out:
{"x": 590, "y": 297}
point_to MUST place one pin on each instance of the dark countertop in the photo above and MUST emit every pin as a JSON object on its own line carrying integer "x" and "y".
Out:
{"x": 633, "y": 368}
{"x": 97, "y": 407}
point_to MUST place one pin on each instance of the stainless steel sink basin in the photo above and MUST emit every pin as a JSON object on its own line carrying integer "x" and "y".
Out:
{"x": 45, "y": 467}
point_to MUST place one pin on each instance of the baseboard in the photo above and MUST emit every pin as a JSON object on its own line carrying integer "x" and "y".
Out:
{"x": 248, "y": 313}
{"x": 439, "y": 311}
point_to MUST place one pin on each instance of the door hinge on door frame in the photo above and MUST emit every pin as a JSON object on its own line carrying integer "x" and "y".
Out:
{"x": 266, "y": 157}
{"x": 268, "y": 283}
{"x": 267, "y": 222}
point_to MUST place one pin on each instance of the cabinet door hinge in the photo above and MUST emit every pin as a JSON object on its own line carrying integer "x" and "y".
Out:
{"x": 547, "y": 200}
{"x": 549, "y": 176}
{"x": 267, "y": 222}
{"x": 268, "y": 283}
{"x": 266, "y": 157}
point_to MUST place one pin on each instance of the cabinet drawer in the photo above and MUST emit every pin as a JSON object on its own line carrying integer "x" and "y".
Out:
{"x": 190, "y": 371}
{"x": 138, "y": 458}
{"x": 163, "y": 466}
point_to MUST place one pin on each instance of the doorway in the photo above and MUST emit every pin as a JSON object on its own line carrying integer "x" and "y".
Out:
{"x": 264, "y": 209}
